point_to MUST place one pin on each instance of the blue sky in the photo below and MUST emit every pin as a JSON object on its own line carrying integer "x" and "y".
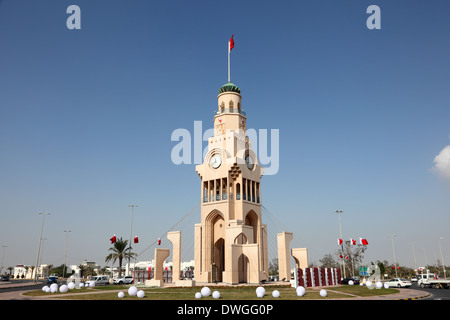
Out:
{"x": 87, "y": 116}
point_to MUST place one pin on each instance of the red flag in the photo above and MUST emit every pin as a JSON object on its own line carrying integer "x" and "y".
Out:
{"x": 113, "y": 239}
{"x": 339, "y": 241}
{"x": 159, "y": 241}
{"x": 363, "y": 241}
{"x": 136, "y": 240}
{"x": 340, "y": 256}
{"x": 231, "y": 42}
{"x": 353, "y": 241}
{"x": 346, "y": 257}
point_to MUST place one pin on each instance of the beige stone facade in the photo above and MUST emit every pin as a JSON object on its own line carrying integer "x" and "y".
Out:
{"x": 231, "y": 239}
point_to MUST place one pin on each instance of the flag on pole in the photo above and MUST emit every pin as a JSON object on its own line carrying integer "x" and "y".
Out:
{"x": 363, "y": 241}
{"x": 231, "y": 46}
{"x": 353, "y": 241}
{"x": 136, "y": 240}
{"x": 339, "y": 241}
{"x": 159, "y": 241}
{"x": 113, "y": 239}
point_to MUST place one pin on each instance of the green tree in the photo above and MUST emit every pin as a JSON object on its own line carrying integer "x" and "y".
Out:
{"x": 273, "y": 267}
{"x": 355, "y": 254}
{"x": 119, "y": 252}
{"x": 328, "y": 261}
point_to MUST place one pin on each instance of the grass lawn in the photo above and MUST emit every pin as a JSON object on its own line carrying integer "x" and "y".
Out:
{"x": 226, "y": 293}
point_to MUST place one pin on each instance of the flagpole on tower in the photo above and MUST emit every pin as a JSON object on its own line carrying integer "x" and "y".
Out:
{"x": 229, "y": 72}
{"x": 230, "y": 46}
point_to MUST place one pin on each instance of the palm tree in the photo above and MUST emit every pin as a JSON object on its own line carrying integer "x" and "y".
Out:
{"x": 119, "y": 251}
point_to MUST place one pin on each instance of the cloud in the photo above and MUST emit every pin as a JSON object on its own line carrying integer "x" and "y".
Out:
{"x": 442, "y": 163}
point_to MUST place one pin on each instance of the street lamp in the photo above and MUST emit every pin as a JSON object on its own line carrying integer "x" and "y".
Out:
{"x": 442, "y": 258}
{"x": 65, "y": 252}
{"x": 39, "y": 246}
{"x": 339, "y": 212}
{"x": 132, "y": 206}
{"x": 393, "y": 251}
{"x": 414, "y": 252}
{"x": 3, "y": 256}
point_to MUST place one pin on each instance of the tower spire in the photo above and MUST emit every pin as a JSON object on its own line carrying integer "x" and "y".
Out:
{"x": 230, "y": 46}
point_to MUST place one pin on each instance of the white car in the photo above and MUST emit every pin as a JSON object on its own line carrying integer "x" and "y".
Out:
{"x": 98, "y": 281}
{"x": 399, "y": 283}
{"x": 124, "y": 280}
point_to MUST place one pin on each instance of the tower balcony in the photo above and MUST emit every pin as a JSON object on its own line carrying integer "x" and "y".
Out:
{"x": 229, "y": 110}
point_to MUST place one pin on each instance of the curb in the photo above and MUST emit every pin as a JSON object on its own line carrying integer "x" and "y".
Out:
{"x": 416, "y": 298}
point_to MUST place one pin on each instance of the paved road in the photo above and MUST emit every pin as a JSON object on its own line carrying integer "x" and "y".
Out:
{"x": 434, "y": 294}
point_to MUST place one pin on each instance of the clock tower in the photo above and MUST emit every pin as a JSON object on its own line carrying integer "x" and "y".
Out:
{"x": 230, "y": 240}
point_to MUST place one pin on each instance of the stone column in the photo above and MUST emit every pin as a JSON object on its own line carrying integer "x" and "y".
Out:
{"x": 175, "y": 238}
{"x": 284, "y": 264}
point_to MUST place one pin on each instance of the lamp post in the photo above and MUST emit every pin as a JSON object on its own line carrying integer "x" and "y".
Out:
{"x": 132, "y": 206}
{"x": 65, "y": 252}
{"x": 414, "y": 253}
{"x": 442, "y": 258}
{"x": 3, "y": 256}
{"x": 393, "y": 251}
{"x": 39, "y": 246}
{"x": 339, "y": 212}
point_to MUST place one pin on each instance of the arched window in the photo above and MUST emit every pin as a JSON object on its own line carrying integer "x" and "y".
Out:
{"x": 231, "y": 105}
{"x": 238, "y": 191}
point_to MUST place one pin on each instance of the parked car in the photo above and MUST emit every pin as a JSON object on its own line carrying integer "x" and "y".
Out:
{"x": 346, "y": 281}
{"x": 51, "y": 280}
{"x": 399, "y": 283}
{"x": 98, "y": 281}
{"x": 5, "y": 278}
{"x": 124, "y": 280}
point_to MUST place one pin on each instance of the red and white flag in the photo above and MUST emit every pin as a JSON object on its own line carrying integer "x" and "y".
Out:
{"x": 113, "y": 239}
{"x": 231, "y": 46}
{"x": 136, "y": 240}
{"x": 159, "y": 241}
{"x": 339, "y": 241}
{"x": 353, "y": 241}
{"x": 363, "y": 241}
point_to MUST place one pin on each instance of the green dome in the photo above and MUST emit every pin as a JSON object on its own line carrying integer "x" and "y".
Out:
{"x": 229, "y": 87}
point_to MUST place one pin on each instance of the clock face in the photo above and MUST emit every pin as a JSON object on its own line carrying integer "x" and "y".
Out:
{"x": 216, "y": 161}
{"x": 249, "y": 162}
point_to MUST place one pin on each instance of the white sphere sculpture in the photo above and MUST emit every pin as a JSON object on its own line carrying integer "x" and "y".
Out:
{"x": 386, "y": 286}
{"x": 276, "y": 294}
{"x": 44, "y": 288}
{"x": 81, "y": 284}
{"x": 198, "y": 295}
{"x": 260, "y": 292}
{"x": 216, "y": 294}
{"x": 368, "y": 283}
{"x": 300, "y": 291}
{"x": 132, "y": 291}
{"x": 53, "y": 288}
{"x": 205, "y": 291}
{"x": 63, "y": 288}
{"x": 121, "y": 294}
{"x": 379, "y": 285}
{"x": 140, "y": 294}
{"x": 92, "y": 284}
{"x": 71, "y": 285}
{"x": 323, "y": 293}
{"x": 47, "y": 290}
{"x": 351, "y": 282}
